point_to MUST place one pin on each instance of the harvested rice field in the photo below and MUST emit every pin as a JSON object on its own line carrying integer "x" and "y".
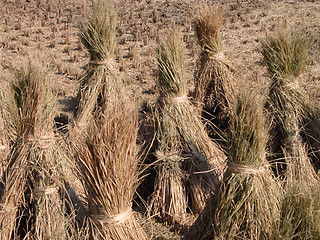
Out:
{"x": 152, "y": 119}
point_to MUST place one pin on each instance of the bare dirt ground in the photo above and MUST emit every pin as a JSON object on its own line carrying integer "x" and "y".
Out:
{"x": 49, "y": 29}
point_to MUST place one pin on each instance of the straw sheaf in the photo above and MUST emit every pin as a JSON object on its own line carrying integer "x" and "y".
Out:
{"x": 101, "y": 84}
{"x": 215, "y": 78}
{"x": 286, "y": 56}
{"x": 215, "y": 84}
{"x": 99, "y": 80}
{"x": 33, "y": 163}
{"x": 247, "y": 205}
{"x": 169, "y": 198}
{"x": 199, "y": 163}
{"x": 311, "y": 134}
{"x": 107, "y": 164}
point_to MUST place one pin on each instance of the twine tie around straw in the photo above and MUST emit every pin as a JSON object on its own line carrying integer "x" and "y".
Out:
{"x": 179, "y": 99}
{"x": 41, "y": 192}
{"x": 292, "y": 140}
{"x": 105, "y": 62}
{"x": 3, "y": 147}
{"x": 6, "y": 210}
{"x": 43, "y": 141}
{"x": 113, "y": 220}
{"x": 242, "y": 169}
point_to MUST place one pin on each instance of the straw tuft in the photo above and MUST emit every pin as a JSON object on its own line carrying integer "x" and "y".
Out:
{"x": 207, "y": 23}
{"x": 98, "y": 34}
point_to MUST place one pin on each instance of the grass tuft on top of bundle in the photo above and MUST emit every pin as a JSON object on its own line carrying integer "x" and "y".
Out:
{"x": 188, "y": 162}
{"x": 172, "y": 80}
{"x": 34, "y": 101}
{"x": 286, "y": 53}
{"x": 207, "y": 23}
{"x": 214, "y": 77}
{"x": 247, "y": 205}
{"x": 286, "y": 56}
{"x": 98, "y": 34}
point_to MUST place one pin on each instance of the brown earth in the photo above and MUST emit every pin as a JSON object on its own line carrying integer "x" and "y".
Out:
{"x": 49, "y": 29}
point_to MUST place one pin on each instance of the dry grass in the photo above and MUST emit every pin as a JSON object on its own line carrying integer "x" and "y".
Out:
{"x": 248, "y": 202}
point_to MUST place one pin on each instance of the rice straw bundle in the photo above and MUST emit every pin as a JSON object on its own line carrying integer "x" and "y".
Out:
{"x": 214, "y": 78}
{"x": 107, "y": 164}
{"x": 247, "y": 205}
{"x": 183, "y": 144}
{"x": 285, "y": 55}
{"x": 101, "y": 77}
{"x": 32, "y": 178}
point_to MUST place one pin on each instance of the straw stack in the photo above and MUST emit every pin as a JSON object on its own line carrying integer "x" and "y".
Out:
{"x": 187, "y": 161}
{"x": 247, "y": 205}
{"x": 31, "y": 207}
{"x": 107, "y": 164}
{"x": 101, "y": 77}
{"x": 214, "y": 78}
{"x": 286, "y": 56}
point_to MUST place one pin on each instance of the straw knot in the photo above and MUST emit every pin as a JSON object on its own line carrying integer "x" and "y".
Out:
{"x": 292, "y": 139}
{"x": 292, "y": 84}
{"x": 112, "y": 220}
{"x": 216, "y": 55}
{"x": 105, "y": 62}
{"x": 3, "y": 147}
{"x": 6, "y": 209}
{"x": 242, "y": 169}
{"x": 43, "y": 141}
{"x": 179, "y": 99}
{"x": 41, "y": 192}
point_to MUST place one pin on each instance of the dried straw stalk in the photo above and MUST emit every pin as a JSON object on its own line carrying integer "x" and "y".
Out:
{"x": 286, "y": 58}
{"x": 32, "y": 178}
{"x": 107, "y": 164}
{"x": 248, "y": 203}
{"x": 214, "y": 78}
{"x": 101, "y": 77}
{"x": 311, "y": 133}
{"x": 4, "y": 135}
{"x": 187, "y": 159}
